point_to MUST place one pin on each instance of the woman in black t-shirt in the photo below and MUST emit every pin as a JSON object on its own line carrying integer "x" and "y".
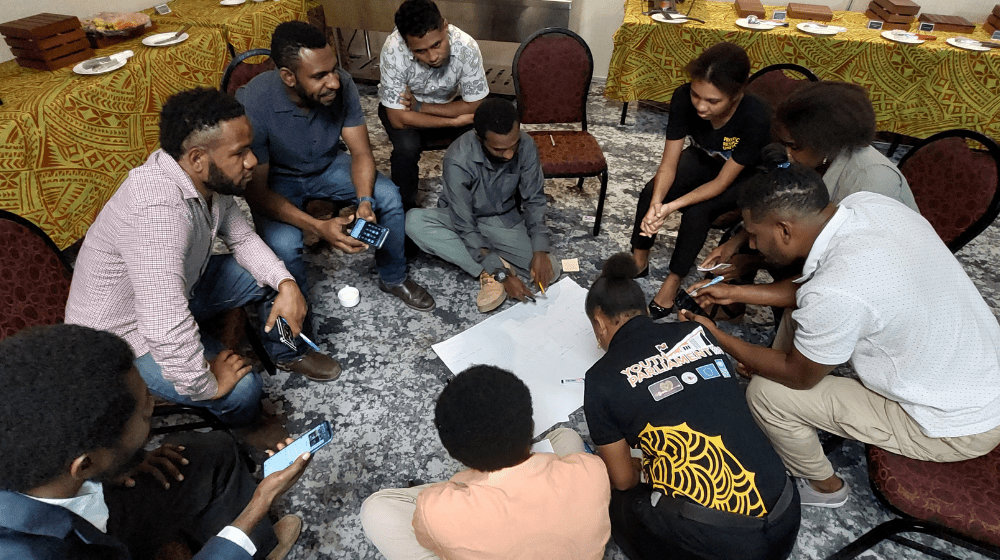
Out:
{"x": 728, "y": 127}
{"x": 715, "y": 487}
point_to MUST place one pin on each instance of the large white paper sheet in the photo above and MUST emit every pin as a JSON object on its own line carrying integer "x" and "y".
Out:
{"x": 542, "y": 343}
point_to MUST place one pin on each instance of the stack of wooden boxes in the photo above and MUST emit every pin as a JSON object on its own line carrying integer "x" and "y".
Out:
{"x": 46, "y": 41}
{"x": 992, "y": 24}
{"x": 897, "y": 14}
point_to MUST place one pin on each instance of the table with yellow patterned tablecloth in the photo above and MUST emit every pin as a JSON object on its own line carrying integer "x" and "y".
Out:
{"x": 246, "y": 26}
{"x": 68, "y": 141}
{"x": 917, "y": 90}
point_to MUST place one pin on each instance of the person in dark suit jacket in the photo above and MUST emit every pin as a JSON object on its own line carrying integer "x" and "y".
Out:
{"x": 76, "y": 483}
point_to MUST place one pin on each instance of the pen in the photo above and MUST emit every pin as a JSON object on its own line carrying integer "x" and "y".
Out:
{"x": 714, "y": 281}
{"x": 551, "y": 139}
{"x": 529, "y": 298}
{"x": 572, "y": 380}
{"x": 309, "y": 342}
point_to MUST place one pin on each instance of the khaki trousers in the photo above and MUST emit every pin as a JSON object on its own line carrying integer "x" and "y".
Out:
{"x": 387, "y": 515}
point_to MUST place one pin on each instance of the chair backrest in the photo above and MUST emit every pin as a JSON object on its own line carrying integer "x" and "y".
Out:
{"x": 776, "y": 82}
{"x": 955, "y": 179}
{"x": 34, "y": 281}
{"x": 238, "y": 73}
{"x": 552, "y": 74}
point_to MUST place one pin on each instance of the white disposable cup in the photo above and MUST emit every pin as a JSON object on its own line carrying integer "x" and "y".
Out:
{"x": 349, "y": 296}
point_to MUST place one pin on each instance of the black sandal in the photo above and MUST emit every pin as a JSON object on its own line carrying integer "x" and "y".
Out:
{"x": 657, "y": 311}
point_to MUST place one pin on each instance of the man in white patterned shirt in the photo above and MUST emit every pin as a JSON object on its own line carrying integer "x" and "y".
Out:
{"x": 146, "y": 272}
{"x": 432, "y": 81}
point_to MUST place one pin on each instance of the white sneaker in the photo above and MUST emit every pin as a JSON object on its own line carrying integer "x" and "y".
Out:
{"x": 809, "y": 496}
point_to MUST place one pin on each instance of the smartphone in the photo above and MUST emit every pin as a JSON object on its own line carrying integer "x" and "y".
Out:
{"x": 285, "y": 333}
{"x": 683, "y": 300}
{"x": 367, "y": 232}
{"x": 310, "y": 442}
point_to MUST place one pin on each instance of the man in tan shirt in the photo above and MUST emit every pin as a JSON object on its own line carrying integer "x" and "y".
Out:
{"x": 510, "y": 503}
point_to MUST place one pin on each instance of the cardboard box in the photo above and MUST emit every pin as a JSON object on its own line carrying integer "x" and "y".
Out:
{"x": 900, "y": 7}
{"x": 746, "y": 8}
{"x": 811, "y": 12}
{"x": 887, "y": 17}
{"x": 888, "y": 25}
{"x": 46, "y": 41}
{"x": 951, "y": 24}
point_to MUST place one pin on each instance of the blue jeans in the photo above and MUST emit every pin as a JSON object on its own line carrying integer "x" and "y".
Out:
{"x": 224, "y": 285}
{"x": 335, "y": 184}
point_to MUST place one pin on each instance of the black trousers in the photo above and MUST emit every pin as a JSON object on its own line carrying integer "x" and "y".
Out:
{"x": 407, "y": 144}
{"x": 644, "y": 532}
{"x": 694, "y": 169}
{"x": 216, "y": 488}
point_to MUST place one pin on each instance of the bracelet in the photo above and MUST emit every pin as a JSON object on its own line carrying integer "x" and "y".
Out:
{"x": 367, "y": 199}
{"x": 419, "y": 105}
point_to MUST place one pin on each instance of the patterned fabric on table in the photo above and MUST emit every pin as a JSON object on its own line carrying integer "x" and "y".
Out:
{"x": 952, "y": 184}
{"x": 917, "y": 90}
{"x": 34, "y": 283}
{"x": 553, "y": 74}
{"x": 575, "y": 153}
{"x": 961, "y": 495}
{"x": 68, "y": 141}
{"x": 246, "y": 26}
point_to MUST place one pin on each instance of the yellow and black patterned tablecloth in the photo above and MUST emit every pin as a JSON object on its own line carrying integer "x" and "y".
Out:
{"x": 67, "y": 141}
{"x": 917, "y": 90}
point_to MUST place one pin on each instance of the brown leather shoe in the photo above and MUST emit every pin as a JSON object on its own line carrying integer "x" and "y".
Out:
{"x": 315, "y": 366}
{"x": 411, "y": 293}
{"x": 287, "y": 529}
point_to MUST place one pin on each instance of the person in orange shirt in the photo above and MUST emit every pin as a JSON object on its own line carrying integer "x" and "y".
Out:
{"x": 510, "y": 503}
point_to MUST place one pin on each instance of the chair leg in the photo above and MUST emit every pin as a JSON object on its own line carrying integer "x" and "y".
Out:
{"x": 896, "y": 139}
{"x": 600, "y": 202}
{"x": 624, "y": 112}
{"x": 579, "y": 184}
{"x": 871, "y": 538}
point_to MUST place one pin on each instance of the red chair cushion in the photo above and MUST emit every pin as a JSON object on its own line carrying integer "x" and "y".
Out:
{"x": 952, "y": 184}
{"x": 964, "y": 496}
{"x": 245, "y": 72}
{"x": 576, "y": 153}
{"x": 34, "y": 284}
{"x": 553, "y": 72}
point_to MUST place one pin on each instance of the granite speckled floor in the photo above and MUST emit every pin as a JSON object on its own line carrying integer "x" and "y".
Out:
{"x": 382, "y": 406}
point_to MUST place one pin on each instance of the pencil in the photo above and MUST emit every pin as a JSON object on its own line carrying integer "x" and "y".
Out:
{"x": 542, "y": 288}
{"x": 551, "y": 139}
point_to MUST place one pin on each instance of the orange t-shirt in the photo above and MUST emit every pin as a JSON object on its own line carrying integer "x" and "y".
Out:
{"x": 546, "y": 507}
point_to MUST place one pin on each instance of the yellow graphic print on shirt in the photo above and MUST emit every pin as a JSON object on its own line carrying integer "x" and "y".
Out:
{"x": 729, "y": 143}
{"x": 681, "y": 461}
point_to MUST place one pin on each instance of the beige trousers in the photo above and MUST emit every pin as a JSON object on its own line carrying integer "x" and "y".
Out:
{"x": 387, "y": 515}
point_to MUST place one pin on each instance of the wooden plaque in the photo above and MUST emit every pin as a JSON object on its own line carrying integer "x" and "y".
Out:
{"x": 750, "y": 8}
{"x": 953, "y": 24}
{"x": 899, "y": 7}
{"x": 886, "y": 16}
{"x": 810, "y": 11}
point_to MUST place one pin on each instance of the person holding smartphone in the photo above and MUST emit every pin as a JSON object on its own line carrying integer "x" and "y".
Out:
{"x": 76, "y": 483}
{"x": 727, "y": 128}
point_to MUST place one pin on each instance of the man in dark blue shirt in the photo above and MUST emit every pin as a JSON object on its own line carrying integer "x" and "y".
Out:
{"x": 299, "y": 113}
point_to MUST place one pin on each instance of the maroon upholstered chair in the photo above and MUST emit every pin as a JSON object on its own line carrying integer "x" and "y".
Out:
{"x": 552, "y": 73}
{"x": 955, "y": 179}
{"x": 957, "y": 502}
{"x": 34, "y": 281}
{"x": 239, "y": 72}
{"x": 776, "y": 82}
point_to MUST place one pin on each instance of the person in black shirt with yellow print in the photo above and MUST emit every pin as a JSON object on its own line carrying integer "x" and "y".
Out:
{"x": 728, "y": 127}
{"x": 716, "y": 488}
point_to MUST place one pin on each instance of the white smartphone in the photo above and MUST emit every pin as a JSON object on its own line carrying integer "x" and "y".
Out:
{"x": 310, "y": 442}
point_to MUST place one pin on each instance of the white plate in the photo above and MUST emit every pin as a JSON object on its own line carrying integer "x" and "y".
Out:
{"x": 959, "y": 43}
{"x": 814, "y": 28}
{"x": 742, "y": 22}
{"x": 664, "y": 19}
{"x": 231, "y": 2}
{"x": 152, "y": 39}
{"x": 902, "y": 37}
{"x": 119, "y": 58}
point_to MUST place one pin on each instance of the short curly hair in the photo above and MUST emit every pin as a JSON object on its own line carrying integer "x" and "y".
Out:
{"x": 415, "y": 18}
{"x": 494, "y": 115}
{"x": 195, "y": 114}
{"x": 65, "y": 393}
{"x": 291, "y": 37}
{"x": 828, "y": 117}
{"x": 483, "y": 417}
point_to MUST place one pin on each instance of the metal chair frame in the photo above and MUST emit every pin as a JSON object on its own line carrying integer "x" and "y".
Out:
{"x": 236, "y": 61}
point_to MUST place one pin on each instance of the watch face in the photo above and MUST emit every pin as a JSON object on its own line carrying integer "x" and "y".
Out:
{"x": 500, "y": 276}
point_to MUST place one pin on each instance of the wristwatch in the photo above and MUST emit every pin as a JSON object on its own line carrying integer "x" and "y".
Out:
{"x": 500, "y": 275}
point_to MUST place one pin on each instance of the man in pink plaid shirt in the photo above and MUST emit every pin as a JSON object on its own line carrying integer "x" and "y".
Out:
{"x": 147, "y": 274}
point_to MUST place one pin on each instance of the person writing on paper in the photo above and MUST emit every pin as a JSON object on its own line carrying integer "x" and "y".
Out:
{"x": 829, "y": 127}
{"x": 925, "y": 346}
{"x": 76, "y": 483}
{"x": 727, "y": 127}
{"x": 714, "y": 487}
{"x": 477, "y": 224}
{"x": 510, "y": 503}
